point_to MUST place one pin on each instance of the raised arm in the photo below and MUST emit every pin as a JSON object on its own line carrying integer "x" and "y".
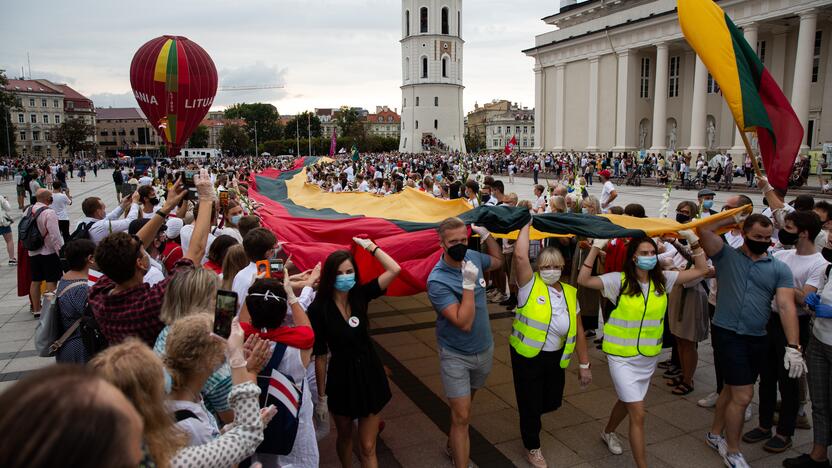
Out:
{"x": 199, "y": 239}
{"x": 491, "y": 245}
{"x": 700, "y": 264}
{"x": 585, "y": 277}
{"x": 391, "y": 267}
{"x": 522, "y": 265}
{"x": 148, "y": 232}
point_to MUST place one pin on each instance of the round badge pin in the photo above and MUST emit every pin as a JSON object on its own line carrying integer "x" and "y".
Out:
{"x": 541, "y": 300}
{"x": 353, "y": 321}
{"x": 482, "y": 282}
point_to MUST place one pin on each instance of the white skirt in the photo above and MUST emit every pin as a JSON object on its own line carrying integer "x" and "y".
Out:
{"x": 631, "y": 376}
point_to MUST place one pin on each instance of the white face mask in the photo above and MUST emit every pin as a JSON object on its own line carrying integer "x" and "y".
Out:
{"x": 550, "y": 277}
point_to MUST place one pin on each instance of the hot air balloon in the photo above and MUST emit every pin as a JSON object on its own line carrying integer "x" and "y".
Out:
{"x": 174, "y": 81}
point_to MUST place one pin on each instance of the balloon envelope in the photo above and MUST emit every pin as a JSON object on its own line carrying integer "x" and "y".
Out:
{"x": 174, "y": 81}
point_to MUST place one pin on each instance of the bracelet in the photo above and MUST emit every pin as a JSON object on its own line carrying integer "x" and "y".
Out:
{"x": 585, "y": 366}
{"x": 373, "y": 253}
{"x": 162, "y": 214}
{"x": 587, "y": 266}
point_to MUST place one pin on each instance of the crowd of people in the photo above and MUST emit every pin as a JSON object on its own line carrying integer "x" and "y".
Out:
{"x": 145, "y": 357}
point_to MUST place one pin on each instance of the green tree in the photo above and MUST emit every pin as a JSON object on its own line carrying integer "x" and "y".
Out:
{"x": 350, "y": 123}
{"x": 199, "y": 139}
{"x": 234, "y": 139}
{"x": 302, "y": 122}
{"x": 474, "y": 140}
{"x": 265, "y": 115}
{"x": 8, "y": 102}
{"x": 72, "y": 135}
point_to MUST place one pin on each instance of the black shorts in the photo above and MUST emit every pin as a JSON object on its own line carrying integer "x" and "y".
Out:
{"x": 739, "y": 357}
{"x": 45, "y": 268}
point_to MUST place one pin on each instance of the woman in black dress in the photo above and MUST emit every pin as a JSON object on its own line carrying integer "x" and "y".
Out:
{"x": 355, "y": 385}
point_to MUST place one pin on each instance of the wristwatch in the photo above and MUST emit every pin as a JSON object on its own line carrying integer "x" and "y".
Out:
{"x": 585, "y": 366}
{"x": 162, "y": 214}
{"x": 795, "y": 346}
{"x": 237, "y": 362}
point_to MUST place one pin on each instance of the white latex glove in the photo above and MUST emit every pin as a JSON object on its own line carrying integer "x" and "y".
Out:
{"x": 287, "y": 283}
{"x": 794, "y": 363}
{"x": 363, "y": 243}
{"x": 267, "y": 413}
{"x": 690, "y": 236}
{"x": 600, "y": 243}
{"x": 470, "y": 274}
{"x": 322, "y": 410}
{"x": 480, "y": 231}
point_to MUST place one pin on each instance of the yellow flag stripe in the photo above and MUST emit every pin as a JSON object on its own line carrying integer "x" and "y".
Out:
{"x": 704, "y": 27}
{"x": 160, "y": 72}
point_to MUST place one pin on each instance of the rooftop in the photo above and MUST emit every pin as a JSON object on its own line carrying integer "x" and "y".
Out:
{"x": 120, "y": 113}
{"x": 31, "y": 86}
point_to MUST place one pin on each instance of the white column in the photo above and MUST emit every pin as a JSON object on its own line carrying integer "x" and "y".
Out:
{"x": 750, "y": 33}
{"x": 560, "y": 96}
{"x": 622, "y": 101}
{"x": 592, "y": 139}
{"x": 697, "y": 114}
{"x": 801, "y": 85}
{"x": 539, "y": 107}
{"x": 778, "y": 57}
{"x": 660, "y": 99}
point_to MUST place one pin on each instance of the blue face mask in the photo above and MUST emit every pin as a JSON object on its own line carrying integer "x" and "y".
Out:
{"x": 707, "y": 204}
{"x": 646, "y": 263}
{"x": 235, "y": 220}
{"x": 344, "y": 283}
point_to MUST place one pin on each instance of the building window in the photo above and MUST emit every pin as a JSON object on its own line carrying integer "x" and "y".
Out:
{"x": 47, "y": 136}
{"x": 417, "y": 101}
{"x": 57, "y": 119}
{"x": 516, "y": 130}
{"x": 436, "y": 124}
{"x": 20, "y": 118}
{"x": 35, "y": 135}
{"x": 56, "y": 103}
{"x": 104, "y": 133}
{"x": 459, "y": 24}
{"x": 407, "y": 23}
{"x": 525, "y": 142}
{"x": 445, "y": 22}
{"x": 525, "y": 130}
{"x": 46, "y": 118}
{"x": 436, "y": 101}
{"x": 508, "y": 129}
{"x": 761, "y": 51}
{"x": 407, "y": 68}
{"x": 494, "y": 143}
{"x": 713, "y": 86}
{"x": 43, "y": 102}
{"x": 31, "y": 102}
{"x": 500, "y": 130}
{"x": 423, "y": 19}
{"x": 404, "y": 103}
{"x": 33, "y": 118}
{"x": 673, "y": 81}
{"x": 424, "y": 67}
{"x": 644, "y": 91}
{"x": 810, "y": 132}
{"x": 417, "y": 125}
{"x": 22, "y": 136}
{"x": 444, "y": 67}
{"x": 816, "y": 60}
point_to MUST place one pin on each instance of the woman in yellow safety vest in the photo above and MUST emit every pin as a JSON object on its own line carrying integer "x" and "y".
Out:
{"x": 546, "y": 332}
{"x": 633, "y": 333}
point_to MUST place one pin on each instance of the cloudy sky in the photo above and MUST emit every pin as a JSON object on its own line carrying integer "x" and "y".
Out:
{"x": 326, "y": 52}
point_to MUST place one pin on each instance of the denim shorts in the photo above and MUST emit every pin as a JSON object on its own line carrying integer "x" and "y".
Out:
{"x": 463, "y": 373}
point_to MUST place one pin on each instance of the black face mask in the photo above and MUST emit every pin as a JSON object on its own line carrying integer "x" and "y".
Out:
{"x": 457, "y": 252}
{"x": 757, "y": 247}
{"x": 682, "y": 218}
{"x": 787, "y": 238}
{"x": 153, "y": 201}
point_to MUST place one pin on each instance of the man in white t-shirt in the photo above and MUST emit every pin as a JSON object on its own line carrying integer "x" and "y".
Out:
{"x": 539, "y": 203}
{"x": 60, "y": 203}
{"x": 259, "y": 244}
{"x": 608, "y": 193}
{"x": 145, "y": 180}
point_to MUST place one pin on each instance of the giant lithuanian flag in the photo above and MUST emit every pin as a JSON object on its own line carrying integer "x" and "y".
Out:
{"x": 751, "y": 93}
{"x": 312, "y": 223}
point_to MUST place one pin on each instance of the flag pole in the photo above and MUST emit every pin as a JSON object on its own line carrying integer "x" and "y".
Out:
{"x": 751, "y": 154}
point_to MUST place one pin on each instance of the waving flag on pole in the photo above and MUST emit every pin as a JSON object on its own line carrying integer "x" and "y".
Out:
{"x": 510, "y": 145}
{"x": 332, "y": 143}
{"x": 753, "y": 96}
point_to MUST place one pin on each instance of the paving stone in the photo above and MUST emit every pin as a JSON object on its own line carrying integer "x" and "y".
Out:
{"x": 596, "y": 403}
{"x": 554, "y": 451}
{"x": 565, "y": 416}
{"x": 485, "y": 401}
{"x": 685, "y": 451}
{"x": 27, "y": 363}
{"x": 412, "y": 429}
{"x": 410, "y": 351}
{"x": 498, "y": 426}
{"x": 395, "y": 339}
{"x": 585, "y": 440}
{"x": 421, "y": 367}
{"x": 683, "y": 414}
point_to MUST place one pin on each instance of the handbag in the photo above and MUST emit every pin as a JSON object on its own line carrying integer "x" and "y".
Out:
{"x": 48, "y": 331}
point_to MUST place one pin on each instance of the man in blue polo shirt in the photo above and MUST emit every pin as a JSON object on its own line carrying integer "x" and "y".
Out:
{"x": 456, "y": 289}
{"x": 749, "y": 280}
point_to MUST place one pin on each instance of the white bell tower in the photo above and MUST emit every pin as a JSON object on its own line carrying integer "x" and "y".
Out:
{"x": 432, "y": 76}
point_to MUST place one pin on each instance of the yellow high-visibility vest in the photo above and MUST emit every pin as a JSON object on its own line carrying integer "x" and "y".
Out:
{"x": 636, "y": 325}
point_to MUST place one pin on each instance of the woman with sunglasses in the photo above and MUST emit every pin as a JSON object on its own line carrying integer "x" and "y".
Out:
{"x": 355, "y": 379}
{"x": 547, "y": 330}
{"x": 633, "y": 333}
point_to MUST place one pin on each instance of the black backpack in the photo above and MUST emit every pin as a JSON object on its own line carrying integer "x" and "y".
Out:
{"x": 91, "y": 335}
{"x": 28, "y": 232}
{"x": 82, "y": 231}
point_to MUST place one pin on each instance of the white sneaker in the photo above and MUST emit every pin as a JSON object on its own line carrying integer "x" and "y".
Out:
{"x": 716, "y": 442}
{"x": 709, "y": 401}
{"x": 748, "y": 413}
{"x": 735, "y": 460}
{"x": 613, "y": 442}
{"x": 535, "y": 458}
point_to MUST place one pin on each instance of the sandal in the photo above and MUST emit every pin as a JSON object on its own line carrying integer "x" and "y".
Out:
{"x": 674, "y": 381}
{"x": 682, "y": 389}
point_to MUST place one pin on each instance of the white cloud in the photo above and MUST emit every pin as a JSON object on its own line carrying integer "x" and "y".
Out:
{"x": 327, "y": 52}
